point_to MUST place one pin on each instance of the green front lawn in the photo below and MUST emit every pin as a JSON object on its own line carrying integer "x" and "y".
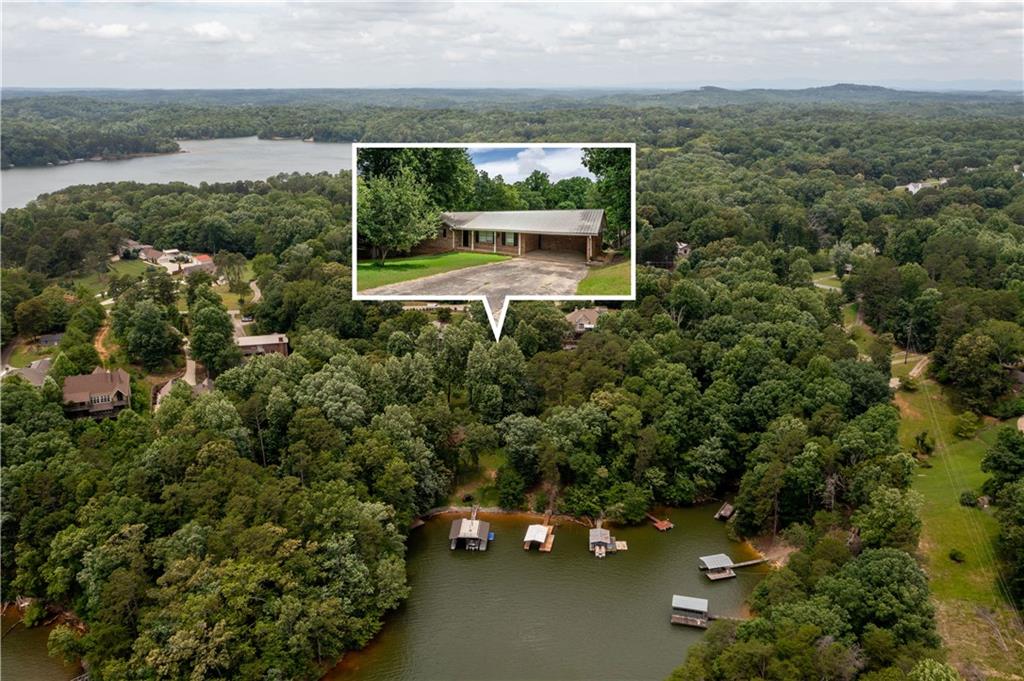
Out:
{"x": 609, "y": 280}
{"x": 371, "y": 274}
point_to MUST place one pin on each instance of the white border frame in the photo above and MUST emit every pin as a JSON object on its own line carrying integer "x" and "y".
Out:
{"x": 497, "y": 321}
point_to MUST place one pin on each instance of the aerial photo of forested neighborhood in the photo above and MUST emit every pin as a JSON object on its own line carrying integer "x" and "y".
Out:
{"x": 796, "y": 451}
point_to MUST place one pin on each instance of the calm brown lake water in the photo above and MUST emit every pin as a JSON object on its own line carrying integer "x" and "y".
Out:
{"x": 221, "y": 160}
{"x": 23, "y": 653}
{"x": 506, "y": 614}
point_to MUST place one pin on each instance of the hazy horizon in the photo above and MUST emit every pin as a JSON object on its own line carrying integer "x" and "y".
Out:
{"x": 917, "y": 46}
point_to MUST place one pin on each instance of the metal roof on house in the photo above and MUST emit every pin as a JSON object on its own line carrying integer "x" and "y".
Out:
{"x": 566, "y": 222}
{"x": 716, "y": 561}
{"x": 269, "y": 339}
{"x": 689, "y": 603}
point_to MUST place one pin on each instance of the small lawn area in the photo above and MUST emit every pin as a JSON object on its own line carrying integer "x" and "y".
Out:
{"x": 229, "y": 299}
{"x": 828, "y": 279}
{"x": 371, "y": 274}
{"x": 97, "y": 281}
{"x": 24, "y": 354}
{"x": 610, "y": 280}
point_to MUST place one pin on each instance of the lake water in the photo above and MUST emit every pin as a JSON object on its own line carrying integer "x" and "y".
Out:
{"x": 508, "y": 614}
{"x": 220, "y": 160}
{"x": 23, "y": 653}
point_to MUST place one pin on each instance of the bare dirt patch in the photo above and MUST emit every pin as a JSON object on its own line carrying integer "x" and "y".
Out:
{"x": 775, "y": 550}
{"x": 906, "y": 409}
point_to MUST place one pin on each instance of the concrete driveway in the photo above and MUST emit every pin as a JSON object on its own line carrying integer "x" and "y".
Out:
{"x": 539, "y": 273}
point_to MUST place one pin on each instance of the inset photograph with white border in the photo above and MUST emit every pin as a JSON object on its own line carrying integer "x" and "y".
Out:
{"x": 494, "y": 223}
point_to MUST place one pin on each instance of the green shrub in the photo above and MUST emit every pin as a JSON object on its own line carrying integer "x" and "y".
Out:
{"x": 957, "y": 556}
{"x": 966, "y": 425}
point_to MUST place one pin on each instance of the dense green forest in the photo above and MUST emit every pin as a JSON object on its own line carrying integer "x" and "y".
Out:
{"x": 257, "y": 531}
{"x": 41, "y": 127}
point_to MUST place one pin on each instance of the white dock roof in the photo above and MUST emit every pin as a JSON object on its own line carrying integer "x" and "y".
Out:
{"x": 689, "y": 603}
{"x": 716, "y": 561}
{"x": 537, "y": 533}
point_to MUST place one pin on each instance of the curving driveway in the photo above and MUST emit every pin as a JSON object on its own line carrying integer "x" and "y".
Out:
{"x": 539, "y": 273}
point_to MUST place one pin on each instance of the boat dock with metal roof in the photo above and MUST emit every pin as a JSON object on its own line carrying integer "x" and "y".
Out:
{"x": 690, "y": 611}
{"x": 720, "y": 566}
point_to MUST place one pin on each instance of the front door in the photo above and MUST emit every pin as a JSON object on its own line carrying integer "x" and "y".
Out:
{"x": 465, "y": 239}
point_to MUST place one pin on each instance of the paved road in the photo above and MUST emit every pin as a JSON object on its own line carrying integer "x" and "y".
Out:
{"x": 544, "y": 274}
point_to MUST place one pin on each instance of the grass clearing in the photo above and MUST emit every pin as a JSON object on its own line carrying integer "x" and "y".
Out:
{"x": 371, "y": 274}
{"x": 479, "y": 483}
{"x": 26, "y": 353}
{"x": 975, "y": 619}
{"x": 97, "y": 281}
{"x": 827, "y": 279}
{"x": 227, "y": 297}
{"x": 607, "y": 280}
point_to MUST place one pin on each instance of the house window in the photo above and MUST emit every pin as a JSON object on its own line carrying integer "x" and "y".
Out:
{"x": 510, "y": 238}
{"x": 485, "y": 237}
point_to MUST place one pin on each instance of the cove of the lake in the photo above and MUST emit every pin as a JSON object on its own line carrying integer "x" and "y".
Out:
{"x": 219, "y": 160}
{"x": 508, "y": 614}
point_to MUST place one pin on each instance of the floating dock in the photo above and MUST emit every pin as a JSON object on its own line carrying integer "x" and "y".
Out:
{"x": 659, "y": 524}
{"x": 725, "y": 512}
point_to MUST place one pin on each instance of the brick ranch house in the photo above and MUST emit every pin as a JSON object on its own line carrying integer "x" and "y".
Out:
{"x": 517, "y": 232}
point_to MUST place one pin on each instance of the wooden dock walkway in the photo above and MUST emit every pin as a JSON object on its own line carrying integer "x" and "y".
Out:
{"x": 688, "y": 621}
{"x": 748, "y": 563}
{"x": 659, "y": 524}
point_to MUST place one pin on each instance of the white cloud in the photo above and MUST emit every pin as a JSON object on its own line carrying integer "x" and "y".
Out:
{"x": 508, "y": 45}
{"x": 558, "y": 163}
{"x": 215, "y": 31}
{"x": 110, "y": 31}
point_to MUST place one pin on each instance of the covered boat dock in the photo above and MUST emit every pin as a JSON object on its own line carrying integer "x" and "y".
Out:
{"x": 720, "y": 566}
{"x": 541, "y": 535}
{"x": 690, "y": 611}
{"x": 472, "y": 533}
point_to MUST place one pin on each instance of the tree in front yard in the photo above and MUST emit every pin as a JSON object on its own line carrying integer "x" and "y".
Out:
{"x": 395, "y": 213}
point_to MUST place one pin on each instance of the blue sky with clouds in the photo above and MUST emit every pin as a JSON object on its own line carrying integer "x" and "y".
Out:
{"x": 514, "y": 164}
{"x": 391, "y": 44}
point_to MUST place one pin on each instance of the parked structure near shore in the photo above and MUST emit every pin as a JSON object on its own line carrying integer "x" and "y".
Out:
{"x": 542, "y": 535}
{"x": 720, "y": 566}
{"x": 690, "y": 611}
{"x": 474, "y": 534}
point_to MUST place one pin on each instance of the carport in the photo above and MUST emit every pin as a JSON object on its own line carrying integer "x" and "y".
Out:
{"x": 518, "y": 232}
